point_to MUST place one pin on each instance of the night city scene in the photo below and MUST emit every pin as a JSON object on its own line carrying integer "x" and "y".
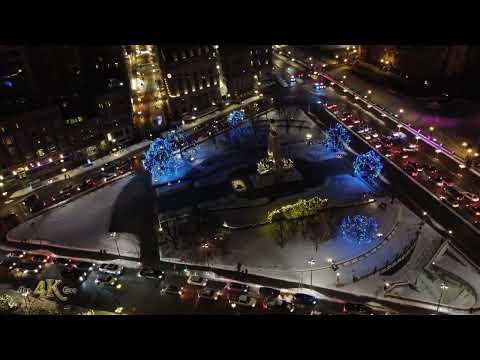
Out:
{"x": 201, "y": 179}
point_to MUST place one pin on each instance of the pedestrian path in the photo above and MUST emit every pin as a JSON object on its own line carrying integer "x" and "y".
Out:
{"x": 218, "y": 113}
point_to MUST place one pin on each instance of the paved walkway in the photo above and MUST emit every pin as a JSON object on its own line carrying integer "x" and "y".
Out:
{"x": 219, "y": 113}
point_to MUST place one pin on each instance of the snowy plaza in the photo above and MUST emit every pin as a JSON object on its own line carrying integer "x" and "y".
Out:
{"x": 213, "y": 211}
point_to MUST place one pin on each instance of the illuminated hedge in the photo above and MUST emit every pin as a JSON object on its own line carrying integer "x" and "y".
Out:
{"x": 299, "y": 209}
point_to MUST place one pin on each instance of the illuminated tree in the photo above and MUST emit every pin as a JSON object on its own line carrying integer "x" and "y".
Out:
{"x": 186, "y": 145}
{"x": 160, "y": 159}
{"x": 359, "y": 229}
{"x": 336, "y": 138}
{"x": 368, "y": 166}
{"x": 239, "y": 129}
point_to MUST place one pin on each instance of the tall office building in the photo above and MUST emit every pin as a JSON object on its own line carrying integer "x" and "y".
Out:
{"x": 192, "y": 79}
{"x": 244, "y": 67}
{"x": 60, "y": 102}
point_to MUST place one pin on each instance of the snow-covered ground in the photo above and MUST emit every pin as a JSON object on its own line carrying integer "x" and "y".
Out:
{"x": 81, "y": 224}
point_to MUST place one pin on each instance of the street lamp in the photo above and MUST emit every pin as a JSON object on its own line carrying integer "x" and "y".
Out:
{"x": 401, "y": 111}
{"x": 311, "y": 262}
{"x": 338, "y": 278}
{"x": 431, "y": 128}
{"x": 205, "y": 248}
{"x": 443, "y": 288}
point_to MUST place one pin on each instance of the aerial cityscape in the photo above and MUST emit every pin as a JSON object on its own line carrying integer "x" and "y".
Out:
{"x": 229, "y": 179}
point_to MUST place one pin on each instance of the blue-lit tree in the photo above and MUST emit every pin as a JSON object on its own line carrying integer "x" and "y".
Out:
{"x": 160, "y": 159}
{"x": 239, "y": 130}
{"x": 368, "y": 166}
{"x": 336, "y": 138}
{"x": 186, "y": 145}
{"x": 359, "y": 229}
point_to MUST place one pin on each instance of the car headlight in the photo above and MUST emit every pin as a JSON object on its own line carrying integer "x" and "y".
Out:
{"x": 233, "y": 305}
{"x": 25, "y": 271}
{"x": 119, "y": 286}
{"x": 138, "y": 274}
{"x": 97, "y": 281}
{"x": 80, "y": 278}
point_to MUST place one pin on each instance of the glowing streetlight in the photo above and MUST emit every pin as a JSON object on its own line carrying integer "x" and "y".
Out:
{"x": 431, "y": 128}
{"x": 369, "y": 92}
{"x": 464, "y": 144}
{"x": 311, "y": 262}
{"x": 400, "y": 111}
{"x": 443, "y": 288}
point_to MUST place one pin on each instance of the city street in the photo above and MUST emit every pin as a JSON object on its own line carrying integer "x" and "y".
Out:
{"x": 135, "y": 290}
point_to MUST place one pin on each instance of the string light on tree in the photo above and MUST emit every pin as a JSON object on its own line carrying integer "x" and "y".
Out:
{"x": 336, "y": 138}
{"x": 368, "y": 166}
{"x": 359, "y": 229}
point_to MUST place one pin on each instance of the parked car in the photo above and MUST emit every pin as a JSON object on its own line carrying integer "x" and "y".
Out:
{"x": 442, "y": 181}
{"x": 430, "y": 169}
{"x": 233, "y": 286}
{"x": 151, "y": 273}
{"x": 85, "y": 266}
{"x": 455, "y": 192}
{"x": 43, "y": 259}
{"x": 113, "y": 269}
{"x": 8, "y": 264}
{"x": 269, "y": 292}
{"x": 108, "y": 280}
{"x": 244, "y": 300}
{"x": 197, "y": 280}
{"x": 301, "y": 300}
{"x": 17, "y": 254}
{"x": 173, "y": 290}
{"x": 471, "y": 197}
{"x": 68, "y": 190}
{"x": 62, "y": 261}
{"x": 27, "y": 268}
{"x": 209, "y": 294}
{"x": 450, "y": 200}
{"x": 357, "y": 309}
{"x": 109, "y": 176}
{"x": 73, "y": 274}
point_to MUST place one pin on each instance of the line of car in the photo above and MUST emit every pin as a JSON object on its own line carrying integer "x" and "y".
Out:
{"x": 236, "y": 295}
{"x": 396, "y": 147}
{"x": 34, "y": 203}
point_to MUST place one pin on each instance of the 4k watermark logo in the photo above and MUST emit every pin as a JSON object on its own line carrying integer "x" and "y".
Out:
{"x": 49, "y": 288}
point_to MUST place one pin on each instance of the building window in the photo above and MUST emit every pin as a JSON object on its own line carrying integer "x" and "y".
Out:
{"x": 174, "y": 56}
{"x": 199, "y": 51}
{"x": 207, "y": 49}
{"x": 184, "y": 56}
{"x": 191, "y": 53}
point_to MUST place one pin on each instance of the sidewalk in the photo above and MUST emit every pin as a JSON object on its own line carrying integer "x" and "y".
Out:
{"x": 83, "y": 169}
{"x": 222, "y": 112}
